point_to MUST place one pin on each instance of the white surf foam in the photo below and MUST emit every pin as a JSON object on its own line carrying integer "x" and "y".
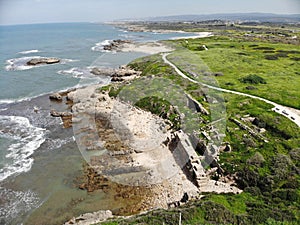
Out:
{"x": 16, "y": 202}
{"x": 99, "y": 46}
{"x": 77, "y": 72}
{"x": 29, "y": 52}
{"x": 9, "y": 101}
{"x": 21, "y": 63}
{"x": 65, "y": 61}
{"x": 25, "y": 140}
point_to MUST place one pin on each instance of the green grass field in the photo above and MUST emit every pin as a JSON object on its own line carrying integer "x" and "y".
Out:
{"x": 278, "y": 64}
{"x": 266, "y": 166}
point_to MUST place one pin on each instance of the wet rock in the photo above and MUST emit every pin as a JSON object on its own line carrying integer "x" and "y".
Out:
{"x": 55, "y": 97}
{"x": 37, "y": 61}
{"x": 54, "y": 113}
{"x": 65, "y": 116}
{"x": 115, "y": 45}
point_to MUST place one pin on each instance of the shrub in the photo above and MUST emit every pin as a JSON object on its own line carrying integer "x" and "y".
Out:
{"x": 161, "y": 108}
{"x": 271, "y": 57}
{"x": 257, "y": 159}
{"x": 253, "y": 79}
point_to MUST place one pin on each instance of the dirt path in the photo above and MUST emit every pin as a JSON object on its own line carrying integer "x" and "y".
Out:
{"x": 291, "y": 113}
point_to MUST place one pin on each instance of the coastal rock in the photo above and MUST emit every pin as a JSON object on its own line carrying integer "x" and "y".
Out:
{"x": 118, "y": 75}
{"x": 102, "y": 71}
{"x": 115, "y": 45}
{"x": 117, "y": 79}
{"x": 55, "y": 97}
{"x": 65, "y": 116}
{"x": 54, "y": 113}
{"x": 37, "y": 61}
{"x": 91, "y": 218}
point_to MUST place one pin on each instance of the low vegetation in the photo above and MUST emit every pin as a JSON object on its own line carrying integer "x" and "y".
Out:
{"x": 161, "y": 108}
{"x": 253, "y": 79}
{"x": 265, "y": 163}
{"x": 237, "y": 59}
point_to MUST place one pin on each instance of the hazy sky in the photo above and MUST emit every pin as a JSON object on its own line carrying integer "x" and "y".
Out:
{"x": 46, "y": 11}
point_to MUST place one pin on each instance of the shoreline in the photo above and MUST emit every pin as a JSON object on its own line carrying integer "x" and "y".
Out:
{"x": 111, "y": 111}
{"x": 171, "y": 185}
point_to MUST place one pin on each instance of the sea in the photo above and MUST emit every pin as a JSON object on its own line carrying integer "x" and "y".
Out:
{"x": 39, "y": 159}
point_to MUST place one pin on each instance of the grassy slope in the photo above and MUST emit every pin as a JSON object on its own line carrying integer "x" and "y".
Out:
{"x": 268, "y": 172}
{"x": 237, "y": 59}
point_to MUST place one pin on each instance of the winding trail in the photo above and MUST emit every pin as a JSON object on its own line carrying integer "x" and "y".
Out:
{"x": 291, "y": 113}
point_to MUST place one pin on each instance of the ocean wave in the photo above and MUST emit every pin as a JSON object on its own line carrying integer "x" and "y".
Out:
{"x": 99, "y": 46}
{"x": 16, "y": 202}
{"x": 29, "y": 52}
{"x": 9, "y": 101}
{"x": 25, "y": 139}
{"x": 52, "y": 144}
{"x": 21, "y": 63}
{"x": 65, "y": 61}
{"x": 131, "y": 37}
{"x": 77, "y": 72}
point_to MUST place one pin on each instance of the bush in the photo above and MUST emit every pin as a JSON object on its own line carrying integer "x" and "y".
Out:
{"x": 253, "y": 79}
{"x": 257, "y": 160}
{"x": 271, "y": 57}
{"x": 162, "y": 108}
{"x": 281, "y": 167}
{"x": 114, "y": 91}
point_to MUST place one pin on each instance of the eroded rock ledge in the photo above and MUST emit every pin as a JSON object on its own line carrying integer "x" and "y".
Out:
{"x": 140, "y": 160}
{"x": 123, "y": 73}
{"x": 115, "y": 45}
{"x": 37, "y": 61}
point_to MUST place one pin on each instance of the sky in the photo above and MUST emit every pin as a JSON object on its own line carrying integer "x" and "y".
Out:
{"x": 48, "y": 11}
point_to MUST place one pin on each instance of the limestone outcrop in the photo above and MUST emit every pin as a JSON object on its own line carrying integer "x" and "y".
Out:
{"x": 37, "y": 61}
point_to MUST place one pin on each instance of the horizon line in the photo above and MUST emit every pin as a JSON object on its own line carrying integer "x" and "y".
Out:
{"x": 145, "y": 18}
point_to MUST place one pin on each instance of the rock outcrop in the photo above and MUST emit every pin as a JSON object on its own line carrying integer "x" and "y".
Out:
{"x": 37, "y": 61}
{"x": 91, "y": 218}
{"x": 115, "y": 45}
{"x": 65, "y": 116}
{"x": 55, "y": 97}
{"x": 123, "y": 73}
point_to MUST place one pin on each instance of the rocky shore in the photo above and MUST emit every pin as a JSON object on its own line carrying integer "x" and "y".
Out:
{"x": 115, "y": 45}
{"x": 123, "y": 73}
{"x": 131, "y": 46}
{"x": 134, "y": 153}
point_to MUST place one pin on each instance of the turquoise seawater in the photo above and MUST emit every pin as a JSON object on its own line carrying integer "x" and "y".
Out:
{"x": 38, "y": 158}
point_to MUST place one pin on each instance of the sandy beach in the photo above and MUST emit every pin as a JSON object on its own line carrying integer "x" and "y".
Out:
{"x": 148, "y": 48}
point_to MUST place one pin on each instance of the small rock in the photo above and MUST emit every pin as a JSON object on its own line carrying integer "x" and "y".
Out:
{"x": 54, "y": 113}
{"x": 56, "y": 97}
